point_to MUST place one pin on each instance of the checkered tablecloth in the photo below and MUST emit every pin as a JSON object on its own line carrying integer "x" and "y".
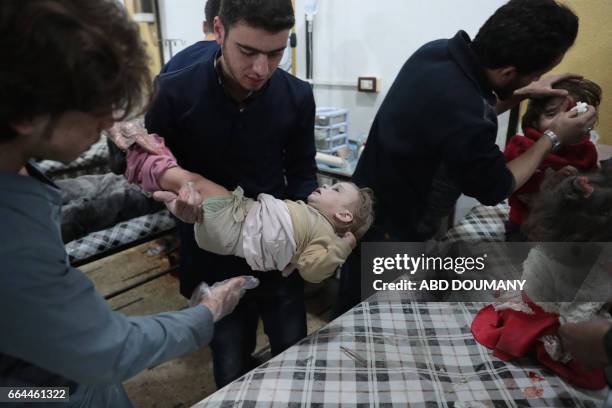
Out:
{"x": 482, "y": 223}
{"x": 413, "y": 354}
{"x": 122, "y": 235}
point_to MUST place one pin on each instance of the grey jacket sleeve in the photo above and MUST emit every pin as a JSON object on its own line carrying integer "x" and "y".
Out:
{"x": 51, "y": 316}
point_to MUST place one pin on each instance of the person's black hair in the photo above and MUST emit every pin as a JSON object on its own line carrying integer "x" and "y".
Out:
{"x": 529, "y": 35}
{"x": 270, "y": 15}
{"x": 63, "y": 55}
{"x": 211, "y": 10}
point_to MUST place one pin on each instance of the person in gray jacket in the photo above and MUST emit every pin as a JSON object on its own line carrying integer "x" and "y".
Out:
{"x": 67, "y": 67}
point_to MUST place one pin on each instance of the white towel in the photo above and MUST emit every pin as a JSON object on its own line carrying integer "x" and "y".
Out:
{"x": 268, "y": 237}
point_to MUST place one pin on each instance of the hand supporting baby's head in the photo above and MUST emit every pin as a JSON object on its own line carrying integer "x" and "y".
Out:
{"x": 573, "y": 207}
{"x": 347, "y": 207}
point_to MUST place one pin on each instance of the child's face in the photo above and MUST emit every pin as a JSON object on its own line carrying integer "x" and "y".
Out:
{"x": 553, "y": 108}
{"x": 335, "y": 199}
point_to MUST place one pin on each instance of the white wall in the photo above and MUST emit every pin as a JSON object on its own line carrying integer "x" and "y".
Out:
{"x": 374, "y": 38}
{"x": 181, "y": 20}
{"x": 357, "y": 38}
{"x": 353, "y": 38}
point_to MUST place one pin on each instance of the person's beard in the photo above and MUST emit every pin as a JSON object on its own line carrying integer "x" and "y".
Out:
{"x": 505, "y": 92}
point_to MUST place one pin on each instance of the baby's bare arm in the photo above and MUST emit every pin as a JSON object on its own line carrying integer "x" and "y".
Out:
{"x": 175, "y": 178}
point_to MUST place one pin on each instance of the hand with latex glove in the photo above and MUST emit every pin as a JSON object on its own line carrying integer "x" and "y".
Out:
{"x": 126, "y": 134}
{"x": 186, "y": 206}
{"x": 571, "y": 127}
{"x": 222, "y": 297}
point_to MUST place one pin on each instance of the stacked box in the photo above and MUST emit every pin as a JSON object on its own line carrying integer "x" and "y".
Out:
{"x": 331, "y": 129}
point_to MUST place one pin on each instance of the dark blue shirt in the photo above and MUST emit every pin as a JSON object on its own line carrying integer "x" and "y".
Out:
{"x": 438, "y": 114}
{"x": 265, "y": 147}
{"x": 191, "y": 55}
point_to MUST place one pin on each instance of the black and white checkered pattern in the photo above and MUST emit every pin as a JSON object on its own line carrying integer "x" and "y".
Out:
{"x": 120, "y": 235}
{"x": 91, "y": 162}
{"x": 414, "y": 354}
{"x": 482, "y": 223}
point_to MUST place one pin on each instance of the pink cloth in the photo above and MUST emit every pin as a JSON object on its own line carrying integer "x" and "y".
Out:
{"x": 144, "y": 168}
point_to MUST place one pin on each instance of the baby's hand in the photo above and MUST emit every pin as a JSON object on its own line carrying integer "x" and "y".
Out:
{"x": 350, "y": 239}
{"x": 186, "y": 206}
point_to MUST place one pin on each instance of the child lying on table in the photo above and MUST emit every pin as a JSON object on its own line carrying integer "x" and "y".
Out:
{"x": 564, "y": 283}
{"x": 538, "y": 117}
{"x": 271, "y": 234}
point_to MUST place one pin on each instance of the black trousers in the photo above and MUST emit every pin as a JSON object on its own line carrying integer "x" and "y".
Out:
{"x": 278, "y": 301}
{"x": 280, "y": 304}
{"x": 349, "y": 289}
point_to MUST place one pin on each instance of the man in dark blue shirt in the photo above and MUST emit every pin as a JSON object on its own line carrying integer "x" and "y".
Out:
{"x": 201, "y": 49}
{"x": 237, "y": 120}
{"x": 434, "y": 135}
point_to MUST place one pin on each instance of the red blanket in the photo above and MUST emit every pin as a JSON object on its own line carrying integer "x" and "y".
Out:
{"x": 512, "y": 334}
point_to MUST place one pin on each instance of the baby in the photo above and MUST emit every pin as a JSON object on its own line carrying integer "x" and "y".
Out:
{"x": 566, "y": 282}
{"x": 271, "y": 234}
{"x": 581, "y": 156}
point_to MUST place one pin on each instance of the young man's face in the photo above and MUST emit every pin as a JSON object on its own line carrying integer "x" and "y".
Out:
{"x": 250, "y": 55}
{"x": 74, "y": 132}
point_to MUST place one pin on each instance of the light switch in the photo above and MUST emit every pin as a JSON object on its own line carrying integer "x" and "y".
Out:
{"x": 367, "y": 84}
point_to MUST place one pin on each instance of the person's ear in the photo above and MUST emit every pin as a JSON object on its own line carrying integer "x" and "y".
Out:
{"x": 507, "y": 74}
{"x": 219, "y": 30}
{"x": 205, "y": 27}
{"x": 344, "y": 216}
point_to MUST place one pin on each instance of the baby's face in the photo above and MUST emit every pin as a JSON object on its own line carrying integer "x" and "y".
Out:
{"x": 337, "y": 198}
{"x": 553, "y": 108}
